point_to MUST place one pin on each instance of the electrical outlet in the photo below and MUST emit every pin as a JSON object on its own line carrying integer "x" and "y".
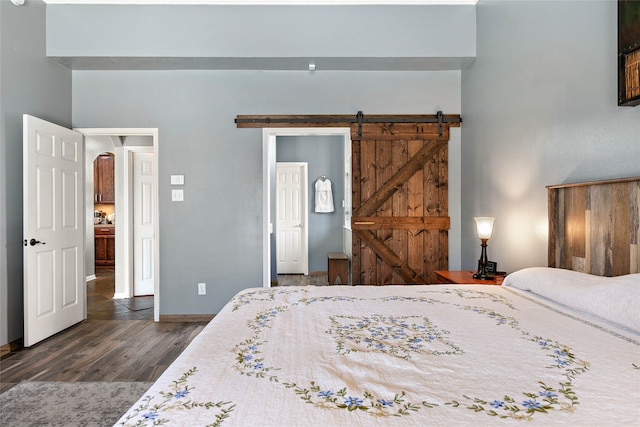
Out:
{"x": 202, "y": 288}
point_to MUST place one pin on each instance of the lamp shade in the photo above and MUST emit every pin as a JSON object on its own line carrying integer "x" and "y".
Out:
{"x": 484, "y": 226}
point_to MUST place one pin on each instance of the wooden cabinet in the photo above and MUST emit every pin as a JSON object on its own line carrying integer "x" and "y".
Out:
{"x": 465, "y": 278}
{"x": 337, "y": 266}
{"x": 105, "y": 245}
{"x": 103, "y": 179}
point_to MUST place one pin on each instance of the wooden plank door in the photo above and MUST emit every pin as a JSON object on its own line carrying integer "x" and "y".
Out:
{"x": 400, "y": 216}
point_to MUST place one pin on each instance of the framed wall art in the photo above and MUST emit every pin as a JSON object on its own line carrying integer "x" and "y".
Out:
{"x": 628, "y": 52}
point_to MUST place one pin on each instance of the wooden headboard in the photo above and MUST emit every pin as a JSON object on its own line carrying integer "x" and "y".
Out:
{"x": 594, "y": 227}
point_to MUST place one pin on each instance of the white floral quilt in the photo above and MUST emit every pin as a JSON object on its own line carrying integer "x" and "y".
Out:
{"x": 444, "y": 355}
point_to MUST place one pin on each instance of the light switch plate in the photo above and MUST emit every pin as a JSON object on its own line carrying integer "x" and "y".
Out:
{"x": 177, "y": 179}
{"x": 177, "y": 195}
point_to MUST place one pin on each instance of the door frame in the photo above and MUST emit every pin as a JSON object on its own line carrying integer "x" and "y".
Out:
{"x": 269, "y": 136}
{"x": 124, "y": 212}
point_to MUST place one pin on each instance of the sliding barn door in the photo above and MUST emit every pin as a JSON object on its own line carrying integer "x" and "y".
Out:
{"x": 400, "y": 216}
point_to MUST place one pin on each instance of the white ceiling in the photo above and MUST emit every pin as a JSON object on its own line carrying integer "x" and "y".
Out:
{"x": 270, "y": 2}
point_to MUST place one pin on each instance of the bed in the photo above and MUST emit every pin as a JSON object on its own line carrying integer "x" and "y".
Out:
{"x": 551, "y": 346}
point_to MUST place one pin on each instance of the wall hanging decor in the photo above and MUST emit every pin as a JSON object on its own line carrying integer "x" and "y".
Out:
{"x": 628, "y": 52}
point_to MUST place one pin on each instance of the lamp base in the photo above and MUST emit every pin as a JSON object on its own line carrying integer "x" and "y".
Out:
{"x": 481, "y": 276}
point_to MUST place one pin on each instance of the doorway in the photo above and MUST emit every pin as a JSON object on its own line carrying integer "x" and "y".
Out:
{"x": 338, "y": 171}
{"x": 101, "y": 289}
{"x": 124, "y": 143}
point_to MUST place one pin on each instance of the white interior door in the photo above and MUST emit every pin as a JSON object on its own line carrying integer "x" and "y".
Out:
{"x": 291, "y": 213}
{"x": 143, "y": 225}
{"x": 53, "y": 227}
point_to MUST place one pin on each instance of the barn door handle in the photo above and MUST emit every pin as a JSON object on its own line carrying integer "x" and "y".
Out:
{"x": 34, "y": 242}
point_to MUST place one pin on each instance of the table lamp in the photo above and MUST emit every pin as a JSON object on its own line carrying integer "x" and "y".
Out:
{"x": 484, "y": 228}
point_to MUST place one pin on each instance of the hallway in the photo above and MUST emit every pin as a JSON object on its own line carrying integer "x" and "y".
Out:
{"x": 102, "y": 306}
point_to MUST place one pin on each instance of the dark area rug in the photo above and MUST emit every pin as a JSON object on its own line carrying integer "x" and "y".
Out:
{"x": 48, "y": 403}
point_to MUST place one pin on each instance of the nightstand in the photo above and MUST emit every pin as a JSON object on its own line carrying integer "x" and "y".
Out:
{"x": 465, "y": 278}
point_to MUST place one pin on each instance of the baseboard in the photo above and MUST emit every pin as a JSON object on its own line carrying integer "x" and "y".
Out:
{"x": 120, "y": 296}
{"x": 90, "y": 278}
{"x": 183, "y": 318}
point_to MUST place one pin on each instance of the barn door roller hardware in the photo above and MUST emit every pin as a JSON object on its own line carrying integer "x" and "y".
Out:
{"x": 345, "y": 120}
{"x": 360, "y": 118}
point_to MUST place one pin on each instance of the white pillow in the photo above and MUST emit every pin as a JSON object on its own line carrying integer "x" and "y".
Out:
{"x": 615, "y": 299}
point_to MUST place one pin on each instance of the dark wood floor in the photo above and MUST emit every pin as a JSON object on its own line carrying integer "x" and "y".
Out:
{"x": 102, "y": 306}
{"x": 118, "y": 342}
{"x": 316, "y": 278}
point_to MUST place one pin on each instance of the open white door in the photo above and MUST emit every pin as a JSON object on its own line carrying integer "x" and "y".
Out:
{"x": 53, "y": 226}
{"x": 143, "y": 224}
{"x": 291, "y": 213}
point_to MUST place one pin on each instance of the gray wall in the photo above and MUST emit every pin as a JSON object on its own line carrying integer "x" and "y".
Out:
{"x": 264, "y": 37}
{"x": 215, "y": 235}
{"x": 29, "y": 83}
{"x": 325, "y": 156}
{"x": 540, "y": 107}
